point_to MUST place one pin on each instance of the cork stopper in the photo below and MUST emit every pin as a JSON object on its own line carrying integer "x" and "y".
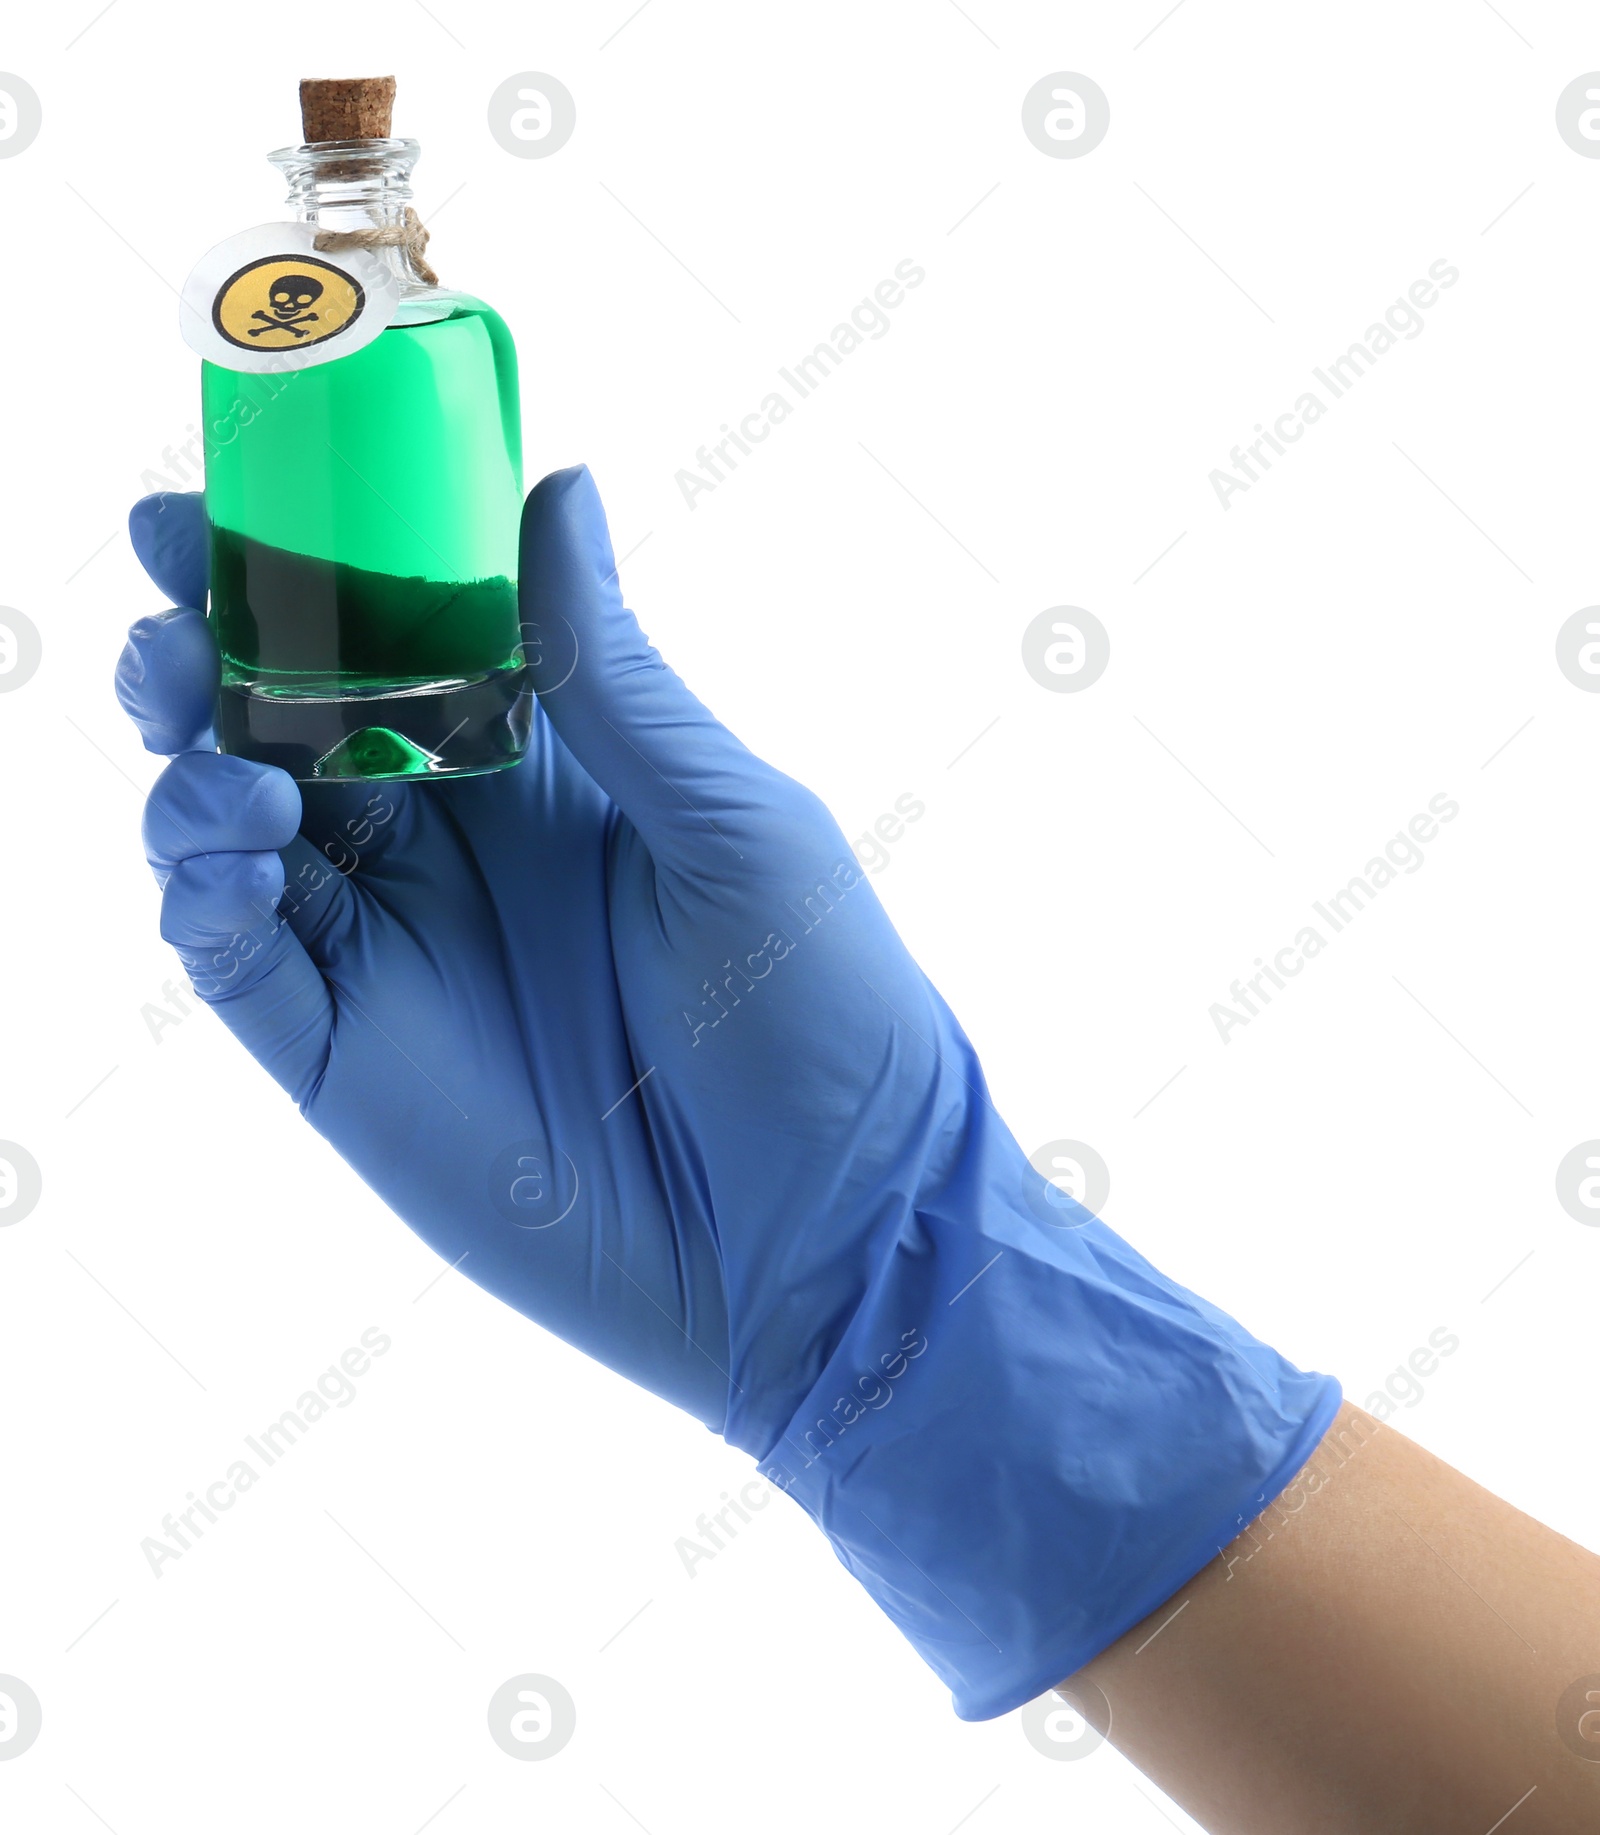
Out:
{"x": 346, "y": 107}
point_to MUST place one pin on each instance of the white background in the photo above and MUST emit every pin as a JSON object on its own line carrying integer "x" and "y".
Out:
{"x": 1357, "y": 1167}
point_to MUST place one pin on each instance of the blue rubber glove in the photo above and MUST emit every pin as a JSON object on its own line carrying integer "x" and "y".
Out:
{"x": 625, "y": 1033}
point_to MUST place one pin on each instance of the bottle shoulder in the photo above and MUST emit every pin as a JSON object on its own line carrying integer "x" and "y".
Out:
{"x": 428, "y": 305}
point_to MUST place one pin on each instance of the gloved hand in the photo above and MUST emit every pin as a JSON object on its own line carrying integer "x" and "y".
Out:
{"x": 624, "y": 1032}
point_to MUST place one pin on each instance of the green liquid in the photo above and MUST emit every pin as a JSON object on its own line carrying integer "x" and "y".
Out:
{"x": 364, "y": 517}
{"x": 287, "y": 618}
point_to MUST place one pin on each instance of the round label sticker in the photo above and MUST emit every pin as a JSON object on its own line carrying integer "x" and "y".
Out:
{"x": 267, "y": 299}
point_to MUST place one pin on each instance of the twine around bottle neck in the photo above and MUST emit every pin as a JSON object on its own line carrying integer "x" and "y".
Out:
{"x": 410, "y": 234}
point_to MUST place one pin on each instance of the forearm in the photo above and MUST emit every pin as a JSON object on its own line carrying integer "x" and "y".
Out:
{"x": 1385, "y": 1651}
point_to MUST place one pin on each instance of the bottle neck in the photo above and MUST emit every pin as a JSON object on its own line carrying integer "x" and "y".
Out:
{"x": 355, "y": 184}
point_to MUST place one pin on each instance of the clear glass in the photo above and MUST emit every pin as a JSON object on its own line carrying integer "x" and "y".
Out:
{"x": 364, "y": 516}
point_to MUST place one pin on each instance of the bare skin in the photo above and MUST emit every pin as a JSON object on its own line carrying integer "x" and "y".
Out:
{"x": 1389, "y": 1650}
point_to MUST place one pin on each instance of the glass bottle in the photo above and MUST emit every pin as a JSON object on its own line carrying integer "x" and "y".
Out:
{"x": 364, "y": 523}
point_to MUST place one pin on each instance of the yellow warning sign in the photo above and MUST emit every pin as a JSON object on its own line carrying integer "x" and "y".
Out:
{"x": 284, "y": 302}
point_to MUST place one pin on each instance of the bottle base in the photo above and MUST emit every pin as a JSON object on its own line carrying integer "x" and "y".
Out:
{"x": 430, "y": 730}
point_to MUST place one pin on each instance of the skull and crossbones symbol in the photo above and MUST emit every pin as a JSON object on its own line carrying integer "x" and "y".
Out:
{"x": 290, "y": 296}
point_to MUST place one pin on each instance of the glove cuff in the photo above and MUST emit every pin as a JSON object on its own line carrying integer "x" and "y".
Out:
{"x": 1028, "y": 1439}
